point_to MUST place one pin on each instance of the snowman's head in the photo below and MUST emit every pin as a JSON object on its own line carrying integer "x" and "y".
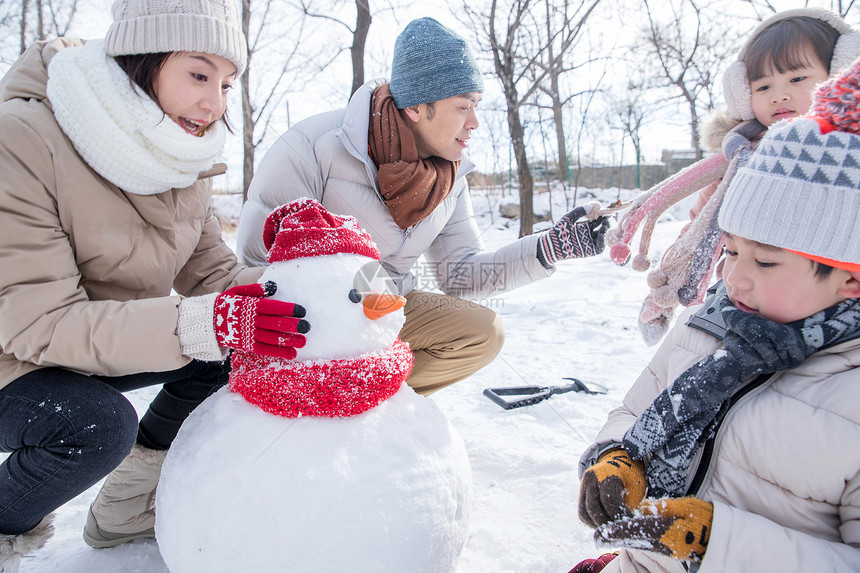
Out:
{"x": 352, "y": 306}
{"x": 327, "y": 264}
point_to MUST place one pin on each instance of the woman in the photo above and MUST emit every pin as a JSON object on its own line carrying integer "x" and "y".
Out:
{"x": 107, "y": 155}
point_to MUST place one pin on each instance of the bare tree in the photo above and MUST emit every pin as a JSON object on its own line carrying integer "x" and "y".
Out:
{"x": 554, "y": 71}
{"x": 555, "y": 67}
{"x": 359, "y": 39}
{"x": 688, "y": 46}
{"x": 310, "y": 44}
{"x": 514, "y": 33}
{"x": 330, "y": 11}
{"x": 630, "y": 111}
{"x": 275, "y": 54}
{"x": 59, "y": 17}
{"x": 493, "y": 131}
{"x": 27, "y": 21}
{"x": 582, "y": 122}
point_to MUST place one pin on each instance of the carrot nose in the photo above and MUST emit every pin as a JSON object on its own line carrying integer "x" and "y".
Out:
{"x": 378, "y": 305}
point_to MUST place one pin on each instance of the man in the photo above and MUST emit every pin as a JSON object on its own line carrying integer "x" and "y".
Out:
{"x": 394, "y": 159}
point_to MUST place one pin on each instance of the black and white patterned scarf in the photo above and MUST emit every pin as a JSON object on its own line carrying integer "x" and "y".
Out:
{"x": 685, "y": 414}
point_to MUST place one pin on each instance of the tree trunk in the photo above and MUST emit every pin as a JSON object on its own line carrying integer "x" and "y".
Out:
{"x": 694, "y": 130}
{"x": 25, "y": 6}
{"x": 40, "y": 19}
{"x": 554, "y": 71}
{"x": 247, "y": 139}
{"x": 247, "y": 111}
{"x": 524, "y": 174}
{"x": 359, "y": 39}
{"x": 503, "y": 62}
{"x": 563, "y": 167}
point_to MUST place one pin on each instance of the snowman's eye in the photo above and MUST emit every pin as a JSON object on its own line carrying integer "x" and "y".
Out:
{"x": 355, "y": 296}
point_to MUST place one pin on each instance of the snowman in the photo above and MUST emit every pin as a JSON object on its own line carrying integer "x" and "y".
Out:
{"x": 328, "y": 462}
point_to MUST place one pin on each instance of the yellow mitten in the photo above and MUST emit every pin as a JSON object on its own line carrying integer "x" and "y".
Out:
{"x": 679, "y": 527}
{"x": 611, "y": 488}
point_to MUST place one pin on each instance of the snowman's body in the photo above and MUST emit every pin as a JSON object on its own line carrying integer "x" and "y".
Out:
{"x": 385, "y": 490}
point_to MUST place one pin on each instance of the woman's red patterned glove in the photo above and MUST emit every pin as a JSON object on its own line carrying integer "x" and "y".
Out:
{"x": 245, "y": 319}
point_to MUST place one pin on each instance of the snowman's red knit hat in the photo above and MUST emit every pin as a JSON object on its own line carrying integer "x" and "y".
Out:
{"x": 304, "y": 228}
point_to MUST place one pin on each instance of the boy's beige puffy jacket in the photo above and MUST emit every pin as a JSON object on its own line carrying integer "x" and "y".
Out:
{"x": 785, "y": 472}
{"x": 86, "y": 270}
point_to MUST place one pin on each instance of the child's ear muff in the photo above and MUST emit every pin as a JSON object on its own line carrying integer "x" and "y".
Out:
{"x": 736, "y": 91}
{"x": 847, "y": 50}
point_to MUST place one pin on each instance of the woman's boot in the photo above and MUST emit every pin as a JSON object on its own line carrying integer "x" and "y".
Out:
{"x": 124, "y": 508}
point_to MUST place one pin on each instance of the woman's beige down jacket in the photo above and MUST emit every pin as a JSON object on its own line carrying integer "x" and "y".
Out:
{"x": 86, "y": 269}
{"x": 784, "y": 472}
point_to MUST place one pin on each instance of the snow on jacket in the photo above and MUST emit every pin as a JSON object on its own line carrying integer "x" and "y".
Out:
{"x": 87, "y": 269}
{"x": 325, "y": 157}
{"x": 784, "y": 475}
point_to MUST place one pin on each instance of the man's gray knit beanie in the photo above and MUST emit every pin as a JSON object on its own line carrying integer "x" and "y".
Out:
{"x": 431, "y": 62}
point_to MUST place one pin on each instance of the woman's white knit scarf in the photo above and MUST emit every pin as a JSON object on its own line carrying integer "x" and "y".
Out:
{"x": 121, "y": 133}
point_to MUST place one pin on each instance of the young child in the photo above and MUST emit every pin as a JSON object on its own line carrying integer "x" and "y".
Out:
{"x": 773, "y": 79}
{"x": 735, "y": 450}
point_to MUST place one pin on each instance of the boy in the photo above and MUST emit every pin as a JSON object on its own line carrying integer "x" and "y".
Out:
{"x": 743, "y": 434}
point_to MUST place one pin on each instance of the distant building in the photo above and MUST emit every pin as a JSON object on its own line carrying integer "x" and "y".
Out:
{"x": 677, "y": 159}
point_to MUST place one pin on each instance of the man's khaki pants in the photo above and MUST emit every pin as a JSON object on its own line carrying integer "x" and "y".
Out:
{"x": 451, "y": 339}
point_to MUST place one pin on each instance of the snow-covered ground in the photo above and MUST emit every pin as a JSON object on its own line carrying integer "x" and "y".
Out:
{"x": 580, "y": 322}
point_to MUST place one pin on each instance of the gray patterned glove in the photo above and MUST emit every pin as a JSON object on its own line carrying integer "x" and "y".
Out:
{"x": 570, "y": 238}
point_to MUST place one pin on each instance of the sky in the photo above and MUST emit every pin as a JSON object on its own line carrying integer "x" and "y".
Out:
{"x": 580, "y": 322}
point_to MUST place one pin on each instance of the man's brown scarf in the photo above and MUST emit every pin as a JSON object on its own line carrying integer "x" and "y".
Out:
{"x": 411, "y": 187}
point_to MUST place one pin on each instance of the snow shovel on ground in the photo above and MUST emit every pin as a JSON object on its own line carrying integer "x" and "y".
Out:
{"x": 520, "y": 396}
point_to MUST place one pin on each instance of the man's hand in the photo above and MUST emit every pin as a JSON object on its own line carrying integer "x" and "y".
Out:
{"x": 679, "y": 527}
{"x": 611, "y": 488}
{"x": 570, "y": 238}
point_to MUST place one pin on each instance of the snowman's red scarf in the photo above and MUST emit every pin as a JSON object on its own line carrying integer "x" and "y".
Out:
{"x": 335, "y": 388}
